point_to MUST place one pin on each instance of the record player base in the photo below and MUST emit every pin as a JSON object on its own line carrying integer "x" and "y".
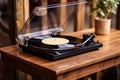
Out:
{"x": 53, "y": 55}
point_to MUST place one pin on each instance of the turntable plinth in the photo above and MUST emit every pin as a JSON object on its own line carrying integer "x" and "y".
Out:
{"x": 65, "y": 69}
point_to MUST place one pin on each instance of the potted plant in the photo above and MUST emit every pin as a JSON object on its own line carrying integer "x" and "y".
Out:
{"x": 104, "y": 8}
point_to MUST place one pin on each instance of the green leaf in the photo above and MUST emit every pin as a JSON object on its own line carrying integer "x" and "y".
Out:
{"x": 106, "y": 7}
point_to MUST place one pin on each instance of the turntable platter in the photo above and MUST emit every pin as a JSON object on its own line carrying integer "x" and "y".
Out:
{"x": 55, "y": 41}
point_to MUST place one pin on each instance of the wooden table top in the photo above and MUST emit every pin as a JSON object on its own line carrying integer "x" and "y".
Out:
{"x": 111, "y": 48}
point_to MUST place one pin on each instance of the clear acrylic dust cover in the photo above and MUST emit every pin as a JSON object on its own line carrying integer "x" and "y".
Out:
{"x": 48, "y": 20}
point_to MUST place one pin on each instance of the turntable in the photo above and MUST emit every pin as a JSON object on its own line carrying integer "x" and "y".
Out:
{"x": 43, "y": 39}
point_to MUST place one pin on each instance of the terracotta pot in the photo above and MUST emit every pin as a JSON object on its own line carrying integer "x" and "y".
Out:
{"x": 102, "y": 26}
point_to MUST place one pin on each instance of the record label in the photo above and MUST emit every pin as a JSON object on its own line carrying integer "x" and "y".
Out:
{"x": 55, "y": 41}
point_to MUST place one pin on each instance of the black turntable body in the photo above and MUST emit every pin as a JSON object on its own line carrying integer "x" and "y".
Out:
{"x": 75, "y": 46}
{"x": 42, "y": 39}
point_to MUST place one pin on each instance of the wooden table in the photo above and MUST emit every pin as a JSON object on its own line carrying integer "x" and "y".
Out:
{"x": 66, "y": 69}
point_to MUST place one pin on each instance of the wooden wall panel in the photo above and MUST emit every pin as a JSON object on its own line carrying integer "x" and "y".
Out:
{"x": 26, "y": 9}
{"x": 62, "y": 14}
{"x": 19, "y": 13}
{"x": 118, "y": 18}
{"x": 93, "y": 15}
{"x": 44, "y": 19}
{"x": 11, "y": 22}
{"x": 22, "y": 12}
{"x": 80, "y": 17}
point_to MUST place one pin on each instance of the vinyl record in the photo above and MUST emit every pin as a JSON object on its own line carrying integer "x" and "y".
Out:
{"x": 67, "y": 42}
